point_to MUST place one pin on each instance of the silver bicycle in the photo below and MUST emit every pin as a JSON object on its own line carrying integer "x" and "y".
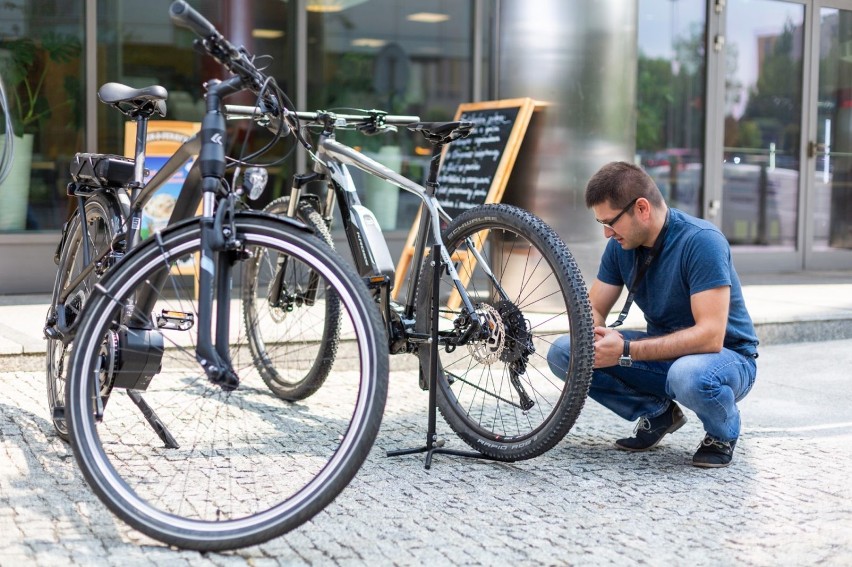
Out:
{"x": 507, "y": 285}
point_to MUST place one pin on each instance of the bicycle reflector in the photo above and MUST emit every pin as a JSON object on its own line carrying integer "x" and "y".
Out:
{"x": 254, "y": 181}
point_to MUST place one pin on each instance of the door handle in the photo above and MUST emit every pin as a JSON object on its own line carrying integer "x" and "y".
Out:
{"x": 815, "y": 148}
{"x": 713, "y": 208}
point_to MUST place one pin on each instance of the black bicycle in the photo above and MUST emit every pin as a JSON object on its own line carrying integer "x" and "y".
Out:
{"x": 212, "y": 461}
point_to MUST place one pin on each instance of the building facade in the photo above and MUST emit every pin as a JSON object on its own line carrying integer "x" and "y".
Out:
{"x": 740, "y": 109}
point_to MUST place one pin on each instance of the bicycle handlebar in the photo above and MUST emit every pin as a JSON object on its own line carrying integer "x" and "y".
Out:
{"x": 274, "y": 124}
{"x": 271, "y": 113}
{"x": 236, "y": 60}
{"x": 356, "y": 119}
{"x": 184, "y": 15}
{"x": 238, "y": 111}
{"x": 371, "y": 122}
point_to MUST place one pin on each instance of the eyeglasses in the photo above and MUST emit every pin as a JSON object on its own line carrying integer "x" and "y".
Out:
{"x": 611, "y": 224}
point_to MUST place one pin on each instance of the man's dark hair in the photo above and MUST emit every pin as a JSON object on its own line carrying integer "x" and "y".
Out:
{"x": 618, "y": 183}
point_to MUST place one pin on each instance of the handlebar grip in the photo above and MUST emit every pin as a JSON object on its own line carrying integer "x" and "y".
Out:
{"x": 184, "y": 15}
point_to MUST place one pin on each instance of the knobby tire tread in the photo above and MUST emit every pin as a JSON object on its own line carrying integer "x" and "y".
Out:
{"x": 582, "y": 332}
{"x": 315, "y": 377}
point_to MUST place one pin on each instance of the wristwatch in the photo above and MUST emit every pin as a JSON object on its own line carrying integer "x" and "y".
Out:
{"x": 624, "y": 359}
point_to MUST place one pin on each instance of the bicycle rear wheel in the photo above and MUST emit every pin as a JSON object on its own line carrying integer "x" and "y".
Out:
{"x": 294, "y": 330}
{"x": 498, "y": 393}
{"x": 103, "y": 221}
{"x": 249, "y": 466}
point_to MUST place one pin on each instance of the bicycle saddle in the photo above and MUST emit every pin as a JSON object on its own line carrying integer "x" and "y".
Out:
{"x": 135, "y": 102}
{"x": 442, "y": 132}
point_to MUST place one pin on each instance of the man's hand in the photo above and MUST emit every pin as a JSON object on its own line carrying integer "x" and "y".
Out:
{"x": 609, "y": 345}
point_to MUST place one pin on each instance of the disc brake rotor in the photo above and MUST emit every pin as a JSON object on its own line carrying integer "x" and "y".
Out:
{"x": 73, "y": 306}
{"x": 488, "y": 350}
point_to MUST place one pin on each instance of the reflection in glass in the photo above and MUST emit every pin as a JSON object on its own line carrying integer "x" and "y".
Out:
{"x": 42, "y": 70}
{"x": 138, "y": 45}
{"x": 763, "y": 108}
{"x": 833, "y": 144}
{"x": 670, "y": 98}
{"x": 411, "y": 58}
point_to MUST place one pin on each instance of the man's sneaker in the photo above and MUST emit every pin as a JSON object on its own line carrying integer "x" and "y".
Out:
{"x": 649, "y": 432}
{"x": 714, "y": 454}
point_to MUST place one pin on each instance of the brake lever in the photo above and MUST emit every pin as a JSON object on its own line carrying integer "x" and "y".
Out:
{"x": 371, "y": 129}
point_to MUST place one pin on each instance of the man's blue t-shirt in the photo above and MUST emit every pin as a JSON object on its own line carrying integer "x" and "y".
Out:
{"x": 695, "y": 257}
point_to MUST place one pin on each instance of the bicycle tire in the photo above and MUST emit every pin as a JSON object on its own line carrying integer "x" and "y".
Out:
{"x": 293, "y": 358}
{"x": 250, "y": 466}
{"x": 546, "y": 297}
{"x": 104, "y": 222}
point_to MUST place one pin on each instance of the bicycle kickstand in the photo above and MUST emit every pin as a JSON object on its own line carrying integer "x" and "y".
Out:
{"x": 153, "y": 420}
{"x": 433, "y": 444}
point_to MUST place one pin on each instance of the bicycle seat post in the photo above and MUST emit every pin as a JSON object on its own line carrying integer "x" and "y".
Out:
{"x": 434, "y": 166}
{"x": 139, "y": 155}
{"x": 138, "y": 105}
{"x": 439, "y": 134}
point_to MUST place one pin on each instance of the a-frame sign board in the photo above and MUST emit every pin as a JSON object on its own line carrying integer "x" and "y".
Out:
{"x": 476, "y": 169}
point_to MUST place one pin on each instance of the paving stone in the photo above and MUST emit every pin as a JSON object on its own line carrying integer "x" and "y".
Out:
{"x": 786, "y": 499}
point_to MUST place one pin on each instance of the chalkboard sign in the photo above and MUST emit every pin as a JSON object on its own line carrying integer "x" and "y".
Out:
{"x": 476, "y": 169}
{"x": 470, "y": 165}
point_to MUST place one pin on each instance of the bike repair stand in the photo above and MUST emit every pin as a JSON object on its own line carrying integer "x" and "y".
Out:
{"x": 433, "y": 444}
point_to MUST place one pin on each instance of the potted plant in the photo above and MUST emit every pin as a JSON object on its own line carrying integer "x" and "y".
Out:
{"x": 24, "y": 64}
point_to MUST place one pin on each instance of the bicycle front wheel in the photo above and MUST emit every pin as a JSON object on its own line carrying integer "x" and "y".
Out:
{"x": 293, "y": 326}
{"x": 248, "y": 466}
{"x": 497, "y": 391}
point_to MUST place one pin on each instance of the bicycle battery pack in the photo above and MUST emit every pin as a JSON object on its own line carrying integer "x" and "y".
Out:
{"x": 377, "y": 249}
{"x": 102, "y": 170}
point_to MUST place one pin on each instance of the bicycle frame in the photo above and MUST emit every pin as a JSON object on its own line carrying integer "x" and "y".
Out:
{"x": 185, "y": 207}
{"x": 203, "y": 185}
{"x": 367, "y": 244}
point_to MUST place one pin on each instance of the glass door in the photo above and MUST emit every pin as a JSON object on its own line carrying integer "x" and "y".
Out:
{"x": 780, "y": 183}
{"x": 829, "y": 147}
{"x": 760, "y": 182}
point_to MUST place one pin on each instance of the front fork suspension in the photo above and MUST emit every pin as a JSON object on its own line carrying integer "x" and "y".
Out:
{"x": 218, "y": 245}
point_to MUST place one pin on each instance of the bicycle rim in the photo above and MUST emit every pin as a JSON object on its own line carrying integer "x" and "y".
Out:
{"x": 103, "y": 223}
{"x": 498, "y": 393}
{"x": 249, "y": 466}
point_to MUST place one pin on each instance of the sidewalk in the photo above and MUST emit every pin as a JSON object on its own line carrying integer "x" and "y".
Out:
{"x": 785, "y": 500}
{"x": 786, "y": 308}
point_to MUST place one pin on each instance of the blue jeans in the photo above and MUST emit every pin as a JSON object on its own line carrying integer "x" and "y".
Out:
{"x": 708, "y": 384}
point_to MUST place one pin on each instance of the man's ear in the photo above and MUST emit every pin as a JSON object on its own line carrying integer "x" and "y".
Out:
{"x": 643, "y": 208}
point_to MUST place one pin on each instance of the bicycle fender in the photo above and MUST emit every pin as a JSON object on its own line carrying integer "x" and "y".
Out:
{"x": 293, "y": 222}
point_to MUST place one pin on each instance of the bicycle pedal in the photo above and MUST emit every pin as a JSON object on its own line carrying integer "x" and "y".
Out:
{"x": 175, "y": 320}
{"x": 376, "y": 282}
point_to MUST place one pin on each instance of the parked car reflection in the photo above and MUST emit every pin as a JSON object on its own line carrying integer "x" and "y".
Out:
{"x": 759, "y": 204}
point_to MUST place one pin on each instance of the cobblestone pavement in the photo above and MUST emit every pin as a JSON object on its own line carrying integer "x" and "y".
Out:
{"x": 786, "y": 499}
